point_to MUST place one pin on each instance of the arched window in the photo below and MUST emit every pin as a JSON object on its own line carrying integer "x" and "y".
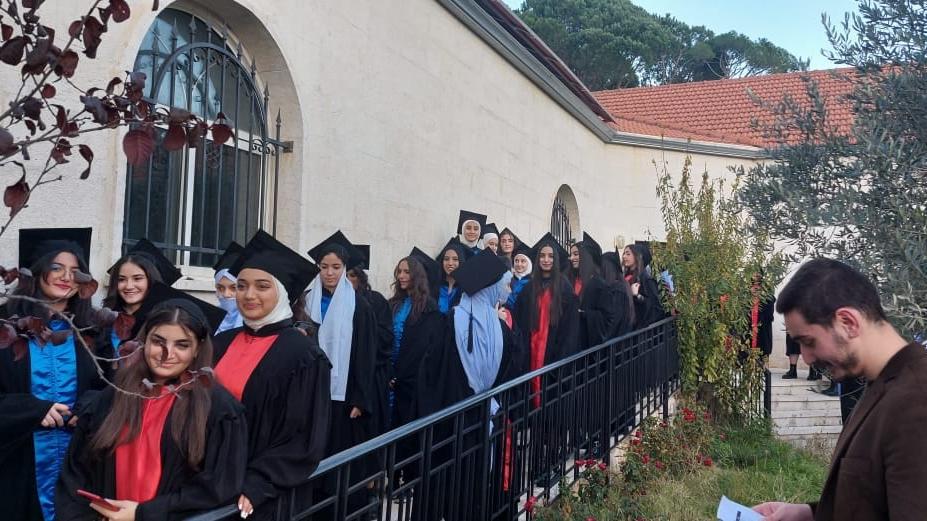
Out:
{"x": 193, "y": 202}
{"x": 564, "y": 218}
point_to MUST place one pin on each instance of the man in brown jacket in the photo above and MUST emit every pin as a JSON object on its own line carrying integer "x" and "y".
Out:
{"x": 879, "y": 468}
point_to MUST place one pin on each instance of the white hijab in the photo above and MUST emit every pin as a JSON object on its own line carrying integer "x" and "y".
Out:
{"x": 527, "y": 272}
{"x": 281, "y": 311}
{"x": 477, "y": 243}
{"x": 228, "y": 304}
{"x": 337, "y": 330}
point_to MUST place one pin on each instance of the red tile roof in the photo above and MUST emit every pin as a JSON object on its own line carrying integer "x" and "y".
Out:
{"x": 722, "y": 110}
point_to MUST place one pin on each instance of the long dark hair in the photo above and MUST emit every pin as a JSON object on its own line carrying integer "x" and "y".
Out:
{"x": 362, "y": 278}
{"x": 190, "y": 410}
{"x": 587, "y": 268}
{"x": 461, "y": 256}
{"x": 113, "y": 300}
{"x": 612, "y": 275}
{"x": 81, "y": 309}
{"x": 538, "y": 282}
{"x": 635, "y": 272}
{"x": 418, "y": 289}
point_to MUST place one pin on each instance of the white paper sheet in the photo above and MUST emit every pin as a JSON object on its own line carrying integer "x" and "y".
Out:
{"x": 731, "y": 511}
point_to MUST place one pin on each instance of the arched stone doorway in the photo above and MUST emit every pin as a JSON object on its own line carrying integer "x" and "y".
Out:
{"x": 564, "y": 218}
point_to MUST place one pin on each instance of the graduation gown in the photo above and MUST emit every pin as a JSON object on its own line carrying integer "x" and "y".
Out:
{"x": 764, "y": 332}
{"x": 649, "y": 307}
{"x": 418, "y": 337}
{"x": 21, "y": 415}
{"x": 562, "y": 339}
{"x": 624, "y": 309}
{"x": 287, "y": 400}
{"x": 598, "y": 312}
{"x": 361, "y": 390}
{"x": 450, "y": 298}
{"x": 181, "y": 490}
{"x": 382, "y": 370}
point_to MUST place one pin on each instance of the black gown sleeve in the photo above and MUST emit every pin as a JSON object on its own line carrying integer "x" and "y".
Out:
{"x": 649, "y": 308}
{"x": 599, "y": 312}
{"x": 442, "y": 380}
{"x": 512, "y": 354}
{"x": 567, "y": 336}
{"x": 82, "y": 470}
{"x": 223, "y": 468}
{"x": 361, "y": 382}
{"x": 299, "y": 442}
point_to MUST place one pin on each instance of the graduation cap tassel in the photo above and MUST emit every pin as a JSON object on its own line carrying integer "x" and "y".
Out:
{"x": 470, "y": 332}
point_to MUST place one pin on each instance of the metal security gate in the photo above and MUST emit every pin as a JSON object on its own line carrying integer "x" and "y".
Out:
{"x": 192, "y": 202}
{"x": 560, "y": 223}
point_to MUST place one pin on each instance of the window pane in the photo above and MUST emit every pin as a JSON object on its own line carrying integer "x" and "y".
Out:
{"x": 153, "y": 203}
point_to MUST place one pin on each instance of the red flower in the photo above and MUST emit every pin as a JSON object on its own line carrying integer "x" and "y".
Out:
{"x": 602, "y": 466}
{"x": 637, "y": 433}
{"x": 658, "y": 464}
{"x": 635, "y": 441}
{"x": 590, "y": 518}
{"x": 529, "y": 504}
{"x": 707, "y": 462}
{"x": 645, "y": 459}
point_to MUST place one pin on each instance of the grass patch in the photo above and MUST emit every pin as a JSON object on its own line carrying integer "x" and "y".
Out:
{"x": 751, "y": 467}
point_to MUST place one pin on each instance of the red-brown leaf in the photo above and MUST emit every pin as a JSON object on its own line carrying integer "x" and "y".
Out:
{"x": 7, "y": 335}
{"x": 104, "y": 317}
{"x": 59, "y": 337}
{"x": 7, "y": 146}
{"x": 123, "y": 325}
{"x": 93, "y": 30}
{"x": 179, "y": 115}
{"x": 75, "y": 28}
{"x": 38, "y": 56}
{"x": 196, "y": 133}
{"x": 87, "y": 289}
{"x": 10, "y": 275}
{"x": 120, "y": 10}
{"x": 15, "y": 196}
{"x": 32, "y": 107}
{"x": 20, "y": 348}
{"x": 111, "y": 86}
{"x": 185, "y": 377}
{"x": 67, "y": 63}
{"x": 205, "y": 376}
{"x": 32, "y": 4}
{"x": 176, "y": 137}
{"x": 6, "y": 31}
{"x": 87, "y": 153}
{"x": 138, "y": 146}
{"x": 48, "y": 91}
{"x": 128, "y": 347}
{"x": 11, "y": 52}
{"x": 32, "y": 325}
{"x": 221, "y": 133}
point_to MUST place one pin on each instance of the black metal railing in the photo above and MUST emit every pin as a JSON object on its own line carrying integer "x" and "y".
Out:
{"x": 483, "y": 457}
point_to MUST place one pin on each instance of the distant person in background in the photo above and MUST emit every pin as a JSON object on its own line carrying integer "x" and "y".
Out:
{"x": 491, "y": 238}
{"x": 508, "y": 244}
{"x": 226, "y": 284}
{"x": 470, "y": 226}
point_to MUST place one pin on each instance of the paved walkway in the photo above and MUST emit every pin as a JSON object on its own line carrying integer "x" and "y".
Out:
{"x": 803, "y": 417}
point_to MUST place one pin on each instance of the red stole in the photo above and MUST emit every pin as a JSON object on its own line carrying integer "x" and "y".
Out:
{"x": 577, "y": 286}
{"x": 138, "y": 462}
{"x": 239, "y": 361}
{"x": 539, "y": 343}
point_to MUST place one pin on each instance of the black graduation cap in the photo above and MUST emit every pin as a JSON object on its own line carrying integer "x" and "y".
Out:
{"x": 355, "y": 256}
{"x": 522, "y": 249}
{"x": 644, "y": 249}
{"x": 593, "y": 247}
{"x": 518, "y": 241}
{"x": 463, "y": 253}
{"x": 365, "y": 250}
{"x": 491, "y": 228}
{"x": 266, "y": 253}
{"x": 481, "y": 271}
{"x": 471, "y": 216}
{"x": 163, "y": 295}
{"x": 432, "y": 268}
{"x": 35, "y": 243}
{"x": 613, "y": 258}
{"x": 169, "y": 273}
{"x": 549, "y": 240}
{"x": 228, "y": 257}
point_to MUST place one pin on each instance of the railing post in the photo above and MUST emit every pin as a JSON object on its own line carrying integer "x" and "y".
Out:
{"x": 767, "y": 393}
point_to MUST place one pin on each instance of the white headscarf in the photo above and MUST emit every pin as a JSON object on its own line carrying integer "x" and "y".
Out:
{"x": 229, "y": 304}
{"x": 478, "y": 243}
{"x": 482, "y": 364}
{"x": 337, "y": 330}
{"x": 281, "y": 311}
{"x": 527, "y": 272}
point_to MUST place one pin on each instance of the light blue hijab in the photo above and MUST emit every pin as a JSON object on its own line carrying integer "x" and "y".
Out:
{"x": 481, "y": 354}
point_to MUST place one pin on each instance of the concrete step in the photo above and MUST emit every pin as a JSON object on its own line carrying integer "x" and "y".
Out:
{"x": 806, "y": 413}
{"x": 808, "y": 421}
{"x": 809, "y": 430}
{"x": 806, "y": 405}
{"x": 806, "y": 396}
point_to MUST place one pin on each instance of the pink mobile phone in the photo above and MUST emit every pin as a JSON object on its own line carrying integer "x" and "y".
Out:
{"x": 97, "y": 500}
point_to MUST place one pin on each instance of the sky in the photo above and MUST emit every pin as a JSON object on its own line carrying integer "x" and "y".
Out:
{"x": 794, "y": 25}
